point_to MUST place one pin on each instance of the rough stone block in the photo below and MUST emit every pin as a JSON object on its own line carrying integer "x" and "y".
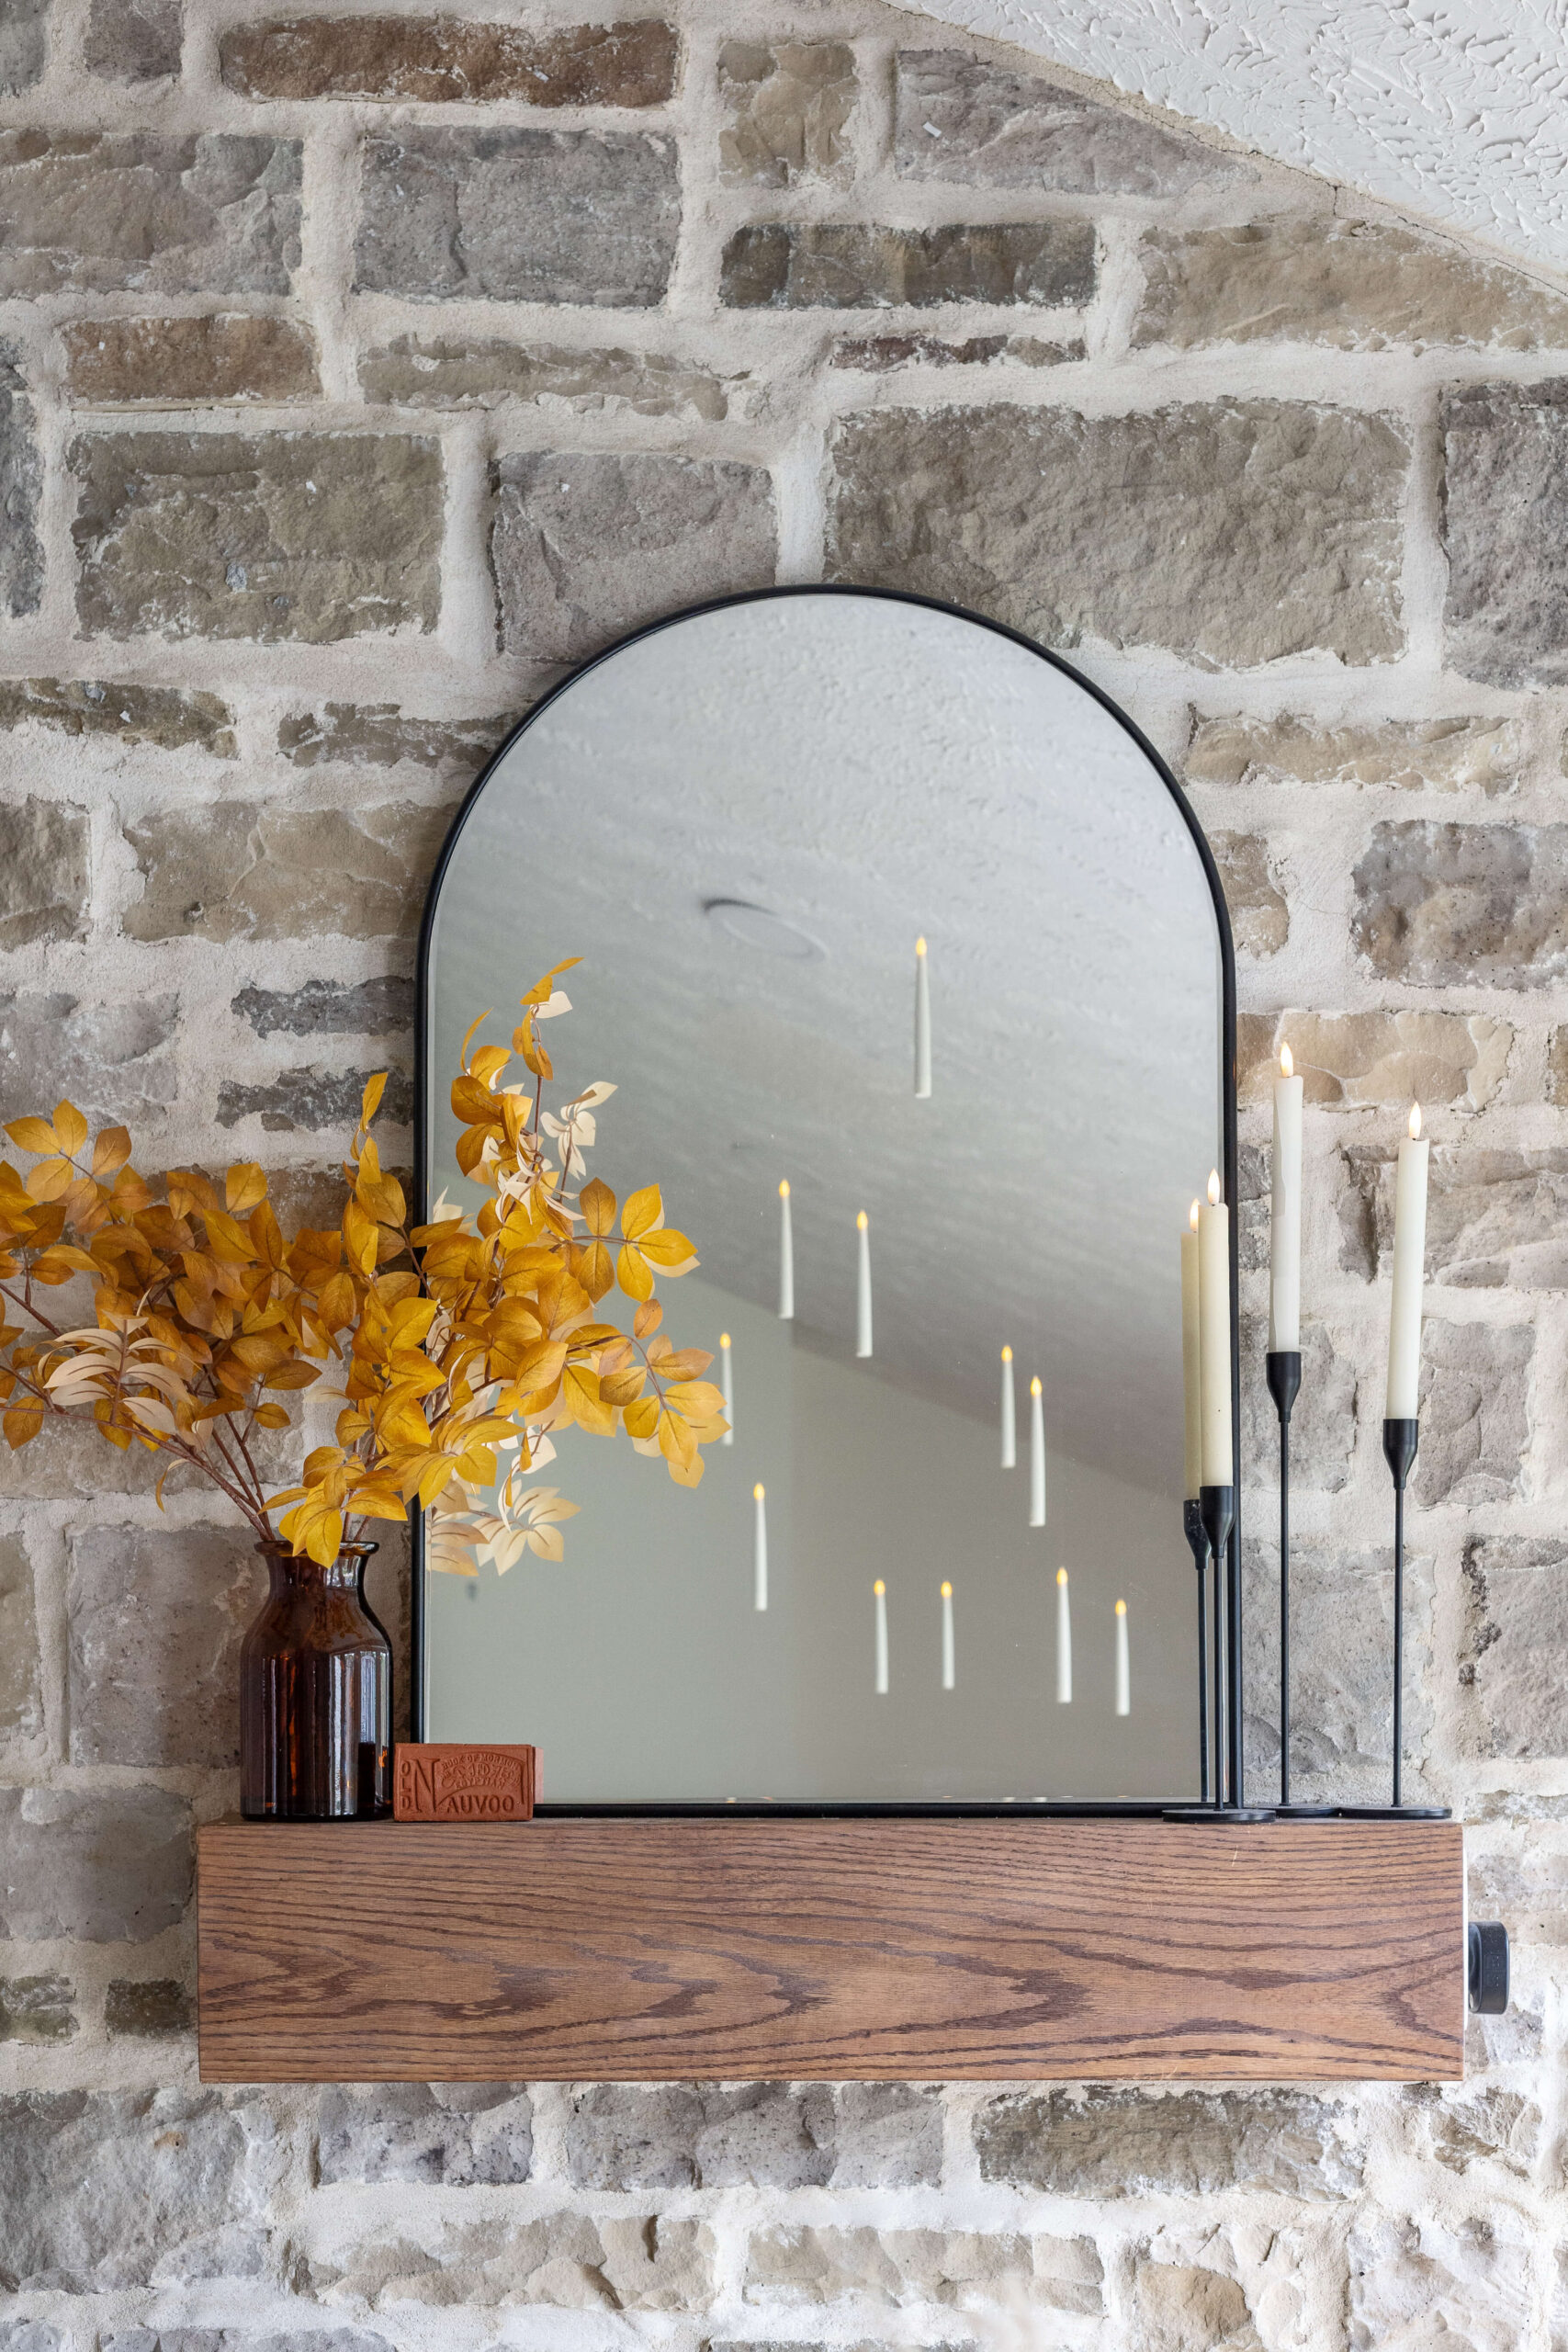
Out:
{"x": 382, "y": 735}
{"x": 242, "y": 2340}
{"x": 37, "y": 2009}
{"x": 148, "y": 2009}
{"x": 21, "y": 1689}
{"x": 584, "y": 548}
{"x": 1514, "y": 1653}
{"x": 43, "y": 872}
{"x": 1326, "y": 1415}
{"x": 330, "y": 1008}
{"x": 312, "y": 1100}
{"x": 235, "y": 870}
{"x": 440, "y": 371}
{"x": 108, "y": 1866}
{"x": 1181, "y": 2305}
{"x": 1111, "y": 2142}
{"x": 585, "y": 217}
{"x": 1461, "y": 2130}
{"x": 1356, "y": 285}
{"x": 21, "y": 487}
{"x": 786, "y": 110}
{"x": 455, "y": 2133}
{"x": 310, "y": 536}
{"x": 1504, "y": 522}
{"x": 163, "y": 716}
{"x": 944, "y": 2267}
{"x": 156, "y": 1618}
{"x": 1556, "y": 1066}
{"x": 766, "y": 2135}
{"x": 780, "y": 266}
{"x": 1446, "y": 906}
{"x": 133, "y": 40}
{"x": 28, "y": 2336}
{"x": 1420, "y": 2278}
{"x": 566, "y": 2261}
{"x": 98, "y": 212}
{"x": 958, "y": 117}
{"x": 1475, "y": 1406}
{"x": 170, "y": 362}
{"x": 1260, "y": 920}
{"x": 424, "y": 60}
{"x": 130, "y": 2188}
{"x": 1352, "y": 1059}
{"x": 113, "y": 1061}
{"x": 1410, "y": 754}
{"x": 24, "y": 45}
{"x": 1246, "y": 530}
{"x": 1494, "y": 1218}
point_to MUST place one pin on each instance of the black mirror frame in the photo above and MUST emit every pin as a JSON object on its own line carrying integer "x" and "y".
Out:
{"x": 1234, "y": 1757}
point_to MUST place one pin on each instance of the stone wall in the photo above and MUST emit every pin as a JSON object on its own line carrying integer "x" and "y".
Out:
{"x": 357, "y": 374}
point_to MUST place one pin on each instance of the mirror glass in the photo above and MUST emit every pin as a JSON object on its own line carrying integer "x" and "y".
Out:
{"x": 742, "y": 822}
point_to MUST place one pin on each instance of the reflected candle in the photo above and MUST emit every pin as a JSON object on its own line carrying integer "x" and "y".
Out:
{"x": 879, "y": 1592}
{"x": 1036, "y": 1455}
{"x": 1064, "y": 1642}
{"x": 1285, "y": 1214}
{"x": 1192, "y": 1363}
{"x": 923, "y": 1025}
{"x": 1217, "y": 1459}
{"x": 1409, "y": 1260}
{"x": 1123, "y": 1663}
{"x": 760, "y": 1548}
{"x": 863, "y": 1288}
{"x": 1009, "y": 1416}
{"x": 949, "y": 1656}
{"x": 786, "y": 1257}
{"x": 726, "y": 1381}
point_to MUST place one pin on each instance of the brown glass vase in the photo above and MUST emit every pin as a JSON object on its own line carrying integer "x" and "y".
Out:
{"x": 315, "y": 1696}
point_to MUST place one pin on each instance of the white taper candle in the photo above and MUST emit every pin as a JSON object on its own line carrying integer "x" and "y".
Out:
{"x": 1191, "y": 1364}
{"x": 760, "y": 1548}
{"x": 1009, "y": 1414}
{"x": 879, "y": 1592}
{"x": 1123, "y": 1663}
{"x": 923, "y": 1025}
{"x": 1217, "y": 1464}
{"x": 1064, "y": 1642}
{"x": 949, "y": 1654}
{"x": 727, "y": 1382}
{"x": 1285, "y": 1214}
{"x": 1036, "y": 1455}
{"x": 1409, "y": 1262}
{"x": 863, "y": 1288}
{"x": 786, "y": 1257}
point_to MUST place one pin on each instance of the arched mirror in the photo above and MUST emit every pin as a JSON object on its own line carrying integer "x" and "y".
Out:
{"x": 879, "y": 902}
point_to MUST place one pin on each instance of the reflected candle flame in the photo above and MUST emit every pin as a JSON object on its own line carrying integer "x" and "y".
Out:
{"x": 786, "y": 1256}
{"x": 1036, "y": 1455}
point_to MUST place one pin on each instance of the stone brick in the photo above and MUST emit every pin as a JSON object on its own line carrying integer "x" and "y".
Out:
{"x": 1326, "y": 1415}
{"x": 1556, "y": 1066}
{"x": 1246, "y": 530}
{"x": 43, "y": 872}
{"x": 21, "y": 487}
{"x": 113, "y": 1061}
{"x": 781, "y": 266}
{"x": 1494, "y": 1218}
{"x": 382, "y": 735}
{"x": 1462, "y": 2129}
{"x": 148, "y": 2009}
{"x": 439, "y": 371}
{"x": 565, "y": 2261}
{"x": 133, "y": 40}
{"x": 242, "y": 2340}
{"x": 131, "y": 2188}
{"x": 330, "y": 1008}
{"x": 28, "y": 2336}
{"x": 24, "y": 45}
{"x": 1420, "y": 2279}
{"x": 310, "y": 536}
{"x": 767, "y": 2135}
{"x": 424, "y": 60}
{"x": 21, "y": 1689}
{"x": 1127, "y": 2143}
{"x": 1353, "y": 1059}
{"x": 1185, "y": 2305}
{"x": 944, "y": 2267}
{"x": 312, "y": 1100}
{"x": 1444, "y": 906}
{"x": 1410, "y": 754}
{"x": 586, "y": 548}
{"x": 37, "y": 2009}
{"x": 170, "y": 362}
{"x": 878, "y": 354}
{"x": 1530, "y": 1892}
{"x": 785, "y": 108}
{"x": 234, "y": 870}
{"x": 108, "y": 1866}
{"x": 156, "y": 1618}
{"x": 165, "y": 716}
{"x": 1475, "y": 1412}
{"x": 586, "y": 217}
{"x": 455, "y": 2133}
{"x": 959, "y": 117}
{"x": 99, "y": 212}
{"x": 1252, "y": 1208}
{"x": 1260, "y": 920}
{"x": 1514, "y": 1652}
{"x": 1356, "y": 285}
{"x": 1505, "y": 524}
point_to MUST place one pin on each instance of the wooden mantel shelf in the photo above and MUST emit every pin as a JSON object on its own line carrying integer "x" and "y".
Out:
{"x": 971, "y": 1949}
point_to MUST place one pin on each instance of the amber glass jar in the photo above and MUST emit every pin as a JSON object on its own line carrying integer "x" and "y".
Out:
{"x": 315, "y": 1696}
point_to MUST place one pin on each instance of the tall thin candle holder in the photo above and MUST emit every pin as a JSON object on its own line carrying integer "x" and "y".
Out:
{"x": 1216, "y": 1506}
{"x": 1198, "y": 1542}
{"x": 1399, "y": 1440}
{"x": 1283, "y": 1369}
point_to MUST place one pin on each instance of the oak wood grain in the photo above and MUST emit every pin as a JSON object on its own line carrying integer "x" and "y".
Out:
{"x": 974, "y": 1950}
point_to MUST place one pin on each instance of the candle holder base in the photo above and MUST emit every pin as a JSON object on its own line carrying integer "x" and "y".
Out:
{"x": 1394, "y": 1812}
{"x": 1222, "y": 1817}
{"x": 1306, "y": 1812}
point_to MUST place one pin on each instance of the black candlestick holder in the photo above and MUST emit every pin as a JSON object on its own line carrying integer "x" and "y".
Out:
{"x": 1283, "y": 1369}
{"x": 1198, "y": 1542}
{"x": 1399, "y": 1440}
{"x": 1216, "y": 1512}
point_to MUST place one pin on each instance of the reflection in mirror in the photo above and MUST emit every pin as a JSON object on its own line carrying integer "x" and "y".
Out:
{"x": 899, "y": 950}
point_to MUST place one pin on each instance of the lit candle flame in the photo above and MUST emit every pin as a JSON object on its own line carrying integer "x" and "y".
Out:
{"x": 919, "y": 946}
{"x": 783, "y": 1188}
{"x": 1287, "y": 1067}
{"x": 724, "y": 1339}
{"x": 1416, "y": 1122}
{"x": 1120, "y": 1608}
{"x": 862, "y": 1220}
{"x": 947, "y": 1592}
{"x": 1035, "y": 1386}
{"x": 758, "y": 1491}
{"x": 1214, "y": 1188}
{"x": 1061, "y": 1576}
{"x": 879, "y": 1587}
{"x": 1193, "y": 1217}
{"x": 1006, "y": 1355}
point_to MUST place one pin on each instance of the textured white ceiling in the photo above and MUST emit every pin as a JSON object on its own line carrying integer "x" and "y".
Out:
{"x": 1457, "y": 109}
